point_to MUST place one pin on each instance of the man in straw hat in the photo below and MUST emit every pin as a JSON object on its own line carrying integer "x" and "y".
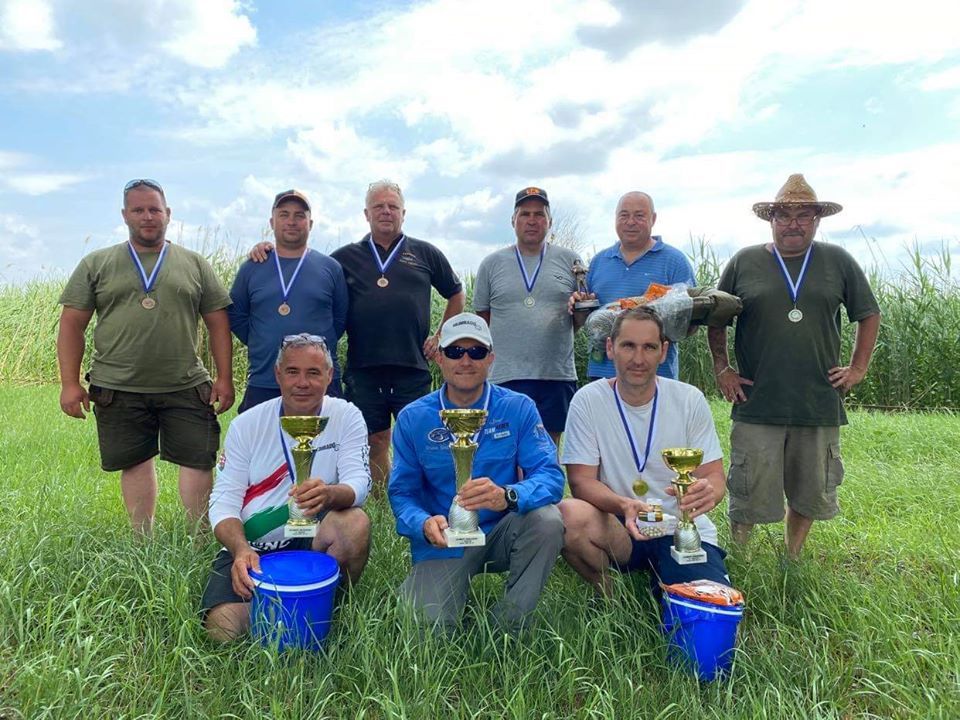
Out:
{"x": 788, "y": 386}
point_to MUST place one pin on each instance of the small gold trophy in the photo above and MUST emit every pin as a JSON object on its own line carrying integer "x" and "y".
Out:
{"x": 580, "y": 273}
{"x": 303, "y": 428}
{"x": 464, "y": 530}
{"x": 686, "y": 549}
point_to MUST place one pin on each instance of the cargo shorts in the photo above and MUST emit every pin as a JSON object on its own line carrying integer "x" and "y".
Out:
{"x": 770, "y": 462}
{"x": 180, "y": 426}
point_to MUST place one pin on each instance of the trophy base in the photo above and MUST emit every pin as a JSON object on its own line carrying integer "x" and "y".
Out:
{"x": 469, "y": 538}
{"x": 688, "y": 557}
{"x": 586, "y": 306}
{"x": 304, "y": 530}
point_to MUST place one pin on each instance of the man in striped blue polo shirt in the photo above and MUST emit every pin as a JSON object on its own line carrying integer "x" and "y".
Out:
{"x": 627, "y": 269}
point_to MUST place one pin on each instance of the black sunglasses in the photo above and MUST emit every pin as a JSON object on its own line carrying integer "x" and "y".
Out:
{"x": 142, "y": 181}
{"x": 455, "y": 352}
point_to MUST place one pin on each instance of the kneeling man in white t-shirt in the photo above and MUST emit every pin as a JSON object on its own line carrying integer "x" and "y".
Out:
{"x": 616, "y": 431}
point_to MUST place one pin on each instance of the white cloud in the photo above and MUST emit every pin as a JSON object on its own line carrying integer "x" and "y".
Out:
{"x": 948, "y": 79}
{"x": 27, "y": 25}
{"x": 42, "y": 183}
{"x": 207, "y": 33}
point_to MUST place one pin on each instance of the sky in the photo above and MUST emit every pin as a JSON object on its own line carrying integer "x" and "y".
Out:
{"x": 707, "y": 105}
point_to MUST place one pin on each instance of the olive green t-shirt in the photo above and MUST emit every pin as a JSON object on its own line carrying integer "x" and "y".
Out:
{"x": 140, "y": 350}
{"x": 788, "y": 362}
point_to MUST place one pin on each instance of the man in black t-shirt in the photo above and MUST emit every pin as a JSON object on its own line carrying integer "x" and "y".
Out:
{"x": 389, "y": 278}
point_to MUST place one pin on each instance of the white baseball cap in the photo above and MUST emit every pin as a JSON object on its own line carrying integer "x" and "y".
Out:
{"x": 465, "y": 325}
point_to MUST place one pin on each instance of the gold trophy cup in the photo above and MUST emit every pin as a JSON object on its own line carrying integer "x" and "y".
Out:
{"x": 303, "y": 429}
{"x": 686, "y": 549}
{"x": 580, "y": 274}
{"x": 464, "y": 530}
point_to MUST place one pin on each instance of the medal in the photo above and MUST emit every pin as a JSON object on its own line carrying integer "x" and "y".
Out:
{"x": 285, "y": 288}
{"x": 147, "y": 303}
{"x": 383, "y": 282}
{"x": 795, "y": 315}
{"x": 529, "y": 300}
{"x": 640, "y": 486}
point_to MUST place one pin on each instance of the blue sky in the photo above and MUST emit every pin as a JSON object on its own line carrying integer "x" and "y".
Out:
{"x": 707, "y": 105}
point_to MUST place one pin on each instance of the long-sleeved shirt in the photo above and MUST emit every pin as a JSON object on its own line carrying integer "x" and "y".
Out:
{"x": 423, "y": 480}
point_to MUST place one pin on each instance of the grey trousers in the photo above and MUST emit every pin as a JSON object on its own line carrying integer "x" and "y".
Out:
{"x": 525, "y": 546}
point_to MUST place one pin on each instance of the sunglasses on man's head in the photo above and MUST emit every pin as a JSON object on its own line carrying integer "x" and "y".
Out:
{"x": 455, "y": 352}
{"x": 303, "y": 339}
{"x": 142, "y": 181}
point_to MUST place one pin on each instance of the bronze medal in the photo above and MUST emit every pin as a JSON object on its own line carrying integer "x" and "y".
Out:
{"x": 284, "y": 309}
{"x": 148, "y": 303}
{"x": 640, "y": 487}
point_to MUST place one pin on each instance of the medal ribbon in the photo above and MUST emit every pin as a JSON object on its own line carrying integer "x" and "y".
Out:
{"x": 486, "y": 402}
{"x": 376, "y": 256}
{"x": 285, "y": 288}
{"x": 626, "y": 427}
{"x": 523, "y": 270}
{"x": 147, "y": 282}
{"x": 283, "y": 444}
{"x": 793, "y": 287}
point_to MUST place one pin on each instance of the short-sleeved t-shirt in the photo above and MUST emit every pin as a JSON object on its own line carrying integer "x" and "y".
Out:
{"x": 788, "y": 362}
{"x": 611, "y": 279}
{"x": 529, "y": 343}
{"x": 140, "y": 350}
{"x": 387, "y": 326}
{"x": 595, "y": 436}
{"x": 317, "y": 302}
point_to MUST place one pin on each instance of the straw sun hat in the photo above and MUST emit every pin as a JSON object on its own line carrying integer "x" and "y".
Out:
{"x": 795, "y": 192}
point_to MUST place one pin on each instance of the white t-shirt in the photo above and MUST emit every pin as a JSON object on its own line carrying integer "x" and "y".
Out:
{"x": 253, "y": 481}
{"x": 595, "y": 435}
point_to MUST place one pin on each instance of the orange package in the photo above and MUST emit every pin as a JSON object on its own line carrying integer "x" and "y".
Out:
{"x": 706, "y": 591}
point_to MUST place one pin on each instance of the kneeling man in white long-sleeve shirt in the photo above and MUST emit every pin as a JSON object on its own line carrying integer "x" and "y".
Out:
{"x": 248, "y": 505}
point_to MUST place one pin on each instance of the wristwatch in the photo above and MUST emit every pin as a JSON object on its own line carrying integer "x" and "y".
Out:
{"x": 512, "y": 498}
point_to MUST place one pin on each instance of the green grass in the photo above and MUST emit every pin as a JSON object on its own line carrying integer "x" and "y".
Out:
{"x": 94, "y": 624}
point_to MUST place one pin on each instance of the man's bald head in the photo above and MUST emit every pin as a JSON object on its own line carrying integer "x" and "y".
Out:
{"x": 633, "y": 195}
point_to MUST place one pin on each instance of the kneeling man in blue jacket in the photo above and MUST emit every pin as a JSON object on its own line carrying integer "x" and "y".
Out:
{"x": 524, "y": 531}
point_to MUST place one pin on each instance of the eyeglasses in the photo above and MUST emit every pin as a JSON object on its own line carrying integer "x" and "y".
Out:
{"x": 803, "y": 219}
{"x": 455, "y": 352}
{"x": 302, "y": 339}
{"x": 142, "y": 181}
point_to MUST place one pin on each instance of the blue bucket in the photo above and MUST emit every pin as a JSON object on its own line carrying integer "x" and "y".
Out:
{"x": 702, "y": 635}
{"x": 293, "y": 599}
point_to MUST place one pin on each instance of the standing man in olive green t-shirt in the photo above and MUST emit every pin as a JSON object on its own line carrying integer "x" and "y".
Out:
{"x": 151, "y": 393}
{"x": 787, "y": 390}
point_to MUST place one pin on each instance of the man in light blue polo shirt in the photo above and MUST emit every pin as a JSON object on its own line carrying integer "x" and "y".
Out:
{"x": 628, "y": 268}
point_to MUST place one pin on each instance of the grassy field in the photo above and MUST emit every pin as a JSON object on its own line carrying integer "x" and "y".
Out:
{"x": 94, "y": 624}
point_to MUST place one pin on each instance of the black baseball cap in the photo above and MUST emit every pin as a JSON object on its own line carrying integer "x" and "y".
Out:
{"x": 534, "y": 193}
{"x": 291, "y": 195}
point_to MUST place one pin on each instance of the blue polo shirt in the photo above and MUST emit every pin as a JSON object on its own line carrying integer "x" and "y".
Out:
{"x": 423, "y": 481}
{"x": 611, "y": 279}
